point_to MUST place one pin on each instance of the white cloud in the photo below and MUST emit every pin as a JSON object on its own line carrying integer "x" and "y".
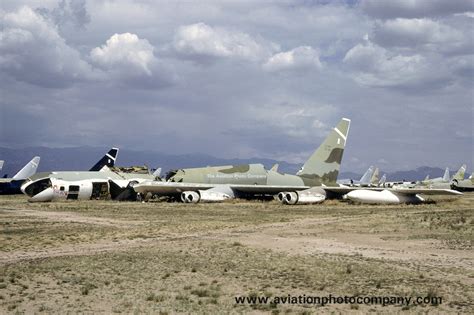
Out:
{"x": 303, "y": 57}
{"x": 414, "y": 33}
{"x": 203, "y": 41}
{"x": 415, "y": 8}
{"x": 128, "y": 60}
{"x": 125, "y": 52}
{"x": 32, "y": 51}
{"x": 378, "y": 67}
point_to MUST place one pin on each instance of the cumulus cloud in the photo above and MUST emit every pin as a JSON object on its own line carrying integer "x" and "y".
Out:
{"x": 415, "y": 8}
{"x": 128, "y": 58}
{"x": 202, "y": 42}
{"x": 378, "y": 67}
{"x": 32, "y": 51}
{"x": 124, "y": 52}
{"x": 300, "y": 58}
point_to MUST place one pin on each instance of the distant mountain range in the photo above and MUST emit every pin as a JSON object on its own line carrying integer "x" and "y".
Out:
{"x": 82, "y": 158}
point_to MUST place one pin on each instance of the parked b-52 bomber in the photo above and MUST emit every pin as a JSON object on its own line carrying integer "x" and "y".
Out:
{"x": 315, "y": 182}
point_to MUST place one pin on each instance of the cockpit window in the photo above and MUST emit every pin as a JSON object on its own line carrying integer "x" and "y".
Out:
{"x": 37, "y": 187}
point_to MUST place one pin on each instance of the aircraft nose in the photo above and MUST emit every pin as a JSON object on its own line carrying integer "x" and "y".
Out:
{"x": 45, "y": 195}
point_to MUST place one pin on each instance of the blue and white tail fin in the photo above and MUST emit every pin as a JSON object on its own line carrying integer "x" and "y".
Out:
{"x": 28, "y": 170}
{"x": 107, "y": 160}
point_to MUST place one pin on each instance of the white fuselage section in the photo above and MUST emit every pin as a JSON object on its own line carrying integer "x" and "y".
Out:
{"x": 80, "y": 185}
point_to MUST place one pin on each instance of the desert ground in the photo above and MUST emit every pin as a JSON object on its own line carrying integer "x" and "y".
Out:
{"x": 167, "y": 258}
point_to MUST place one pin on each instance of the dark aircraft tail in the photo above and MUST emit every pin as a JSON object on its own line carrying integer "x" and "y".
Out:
{"x": 107, "y": 160}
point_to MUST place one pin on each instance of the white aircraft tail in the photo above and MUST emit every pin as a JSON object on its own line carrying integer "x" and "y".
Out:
{"x": 383, "y": 180}
{"x": 460, "y": 173}
{"x": 446, "y": 175}
{"x": 275, "y": 167}
{"x": 157, "y": 172}
{"x": 374, "y": 180}
{"x": 365, "y": 179}
{"x": 28, "y": 170}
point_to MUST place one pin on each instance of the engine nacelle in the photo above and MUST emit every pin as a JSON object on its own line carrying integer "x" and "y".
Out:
{"x": 307, "y": 196}
{"x": 204, "y": 196}
{"x": 190, "y": 197}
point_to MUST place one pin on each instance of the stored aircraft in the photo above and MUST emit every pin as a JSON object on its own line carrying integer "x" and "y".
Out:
{"x": 218, "y": 183}
{"x": 312, "y": 184}
{"x": 366, "y": 179}
{"x": 463, "y": 185}
{"x": 102, "y": 181}
{"x": 10, "y": 186}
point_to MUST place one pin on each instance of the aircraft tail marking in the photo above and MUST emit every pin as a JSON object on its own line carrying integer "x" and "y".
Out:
{"x": 323, "y": 165}
{"x": 107, "y": 160}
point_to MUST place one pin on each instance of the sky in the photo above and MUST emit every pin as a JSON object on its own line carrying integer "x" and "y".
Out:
{"x": 242, "y": 79}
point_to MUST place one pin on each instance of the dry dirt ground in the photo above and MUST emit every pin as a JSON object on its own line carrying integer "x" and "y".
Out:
{"x": 110, "y": 257}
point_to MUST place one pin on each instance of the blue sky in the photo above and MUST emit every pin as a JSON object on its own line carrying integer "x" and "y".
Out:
{"x": 242, "y": 78}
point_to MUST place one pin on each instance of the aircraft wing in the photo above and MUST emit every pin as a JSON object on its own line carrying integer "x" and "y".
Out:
{"x": 165, "y": 188}
{"x": 405, "y": 191}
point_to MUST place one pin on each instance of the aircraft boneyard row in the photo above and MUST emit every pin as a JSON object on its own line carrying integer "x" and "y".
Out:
{"x": 313, "y": 183}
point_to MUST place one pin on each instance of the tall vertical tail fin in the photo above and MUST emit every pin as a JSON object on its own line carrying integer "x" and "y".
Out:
{"x": 107, "y": 160}
{"x": 323, "y": 165}
{"x": 383, "y": 180}
{"x": 28, "y": 170}
{"x": 460, "y": 173}
{"x": 365, "y": 179}
{"x": 446, "y": 175}
{"x": 374, "y": 180}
